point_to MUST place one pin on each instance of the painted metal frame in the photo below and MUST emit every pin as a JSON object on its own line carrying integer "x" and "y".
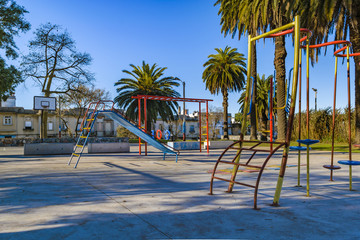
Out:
{"x": 294, "y": 28}
{"x": 163, "y": 98}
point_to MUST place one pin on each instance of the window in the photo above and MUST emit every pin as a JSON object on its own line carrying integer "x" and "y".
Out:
{"x": 50, "y": 126}
{"x": 28, "y": 125}
{"x": 192, "y": 129}
{"x": 7, "y": 120}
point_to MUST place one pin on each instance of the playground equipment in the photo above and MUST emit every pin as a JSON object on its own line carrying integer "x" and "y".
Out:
{"x": 299, "y": 148}
{"x": 307, "y": 141}
{"x": 293, "y": 27}
{"x": 348, "y": 162}
{"x": 163, "y": 98}
{"x": 104, "y": 108}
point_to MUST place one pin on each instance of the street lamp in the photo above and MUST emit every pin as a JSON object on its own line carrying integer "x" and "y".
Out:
{"x": 315, "y": 90}
{"x": 184, "y": 120}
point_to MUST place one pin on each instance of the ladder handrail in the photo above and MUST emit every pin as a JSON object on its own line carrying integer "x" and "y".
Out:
{"x": 103, "y": 102}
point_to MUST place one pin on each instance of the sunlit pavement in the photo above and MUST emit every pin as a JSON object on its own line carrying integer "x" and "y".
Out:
{"x": 127, "y": 196}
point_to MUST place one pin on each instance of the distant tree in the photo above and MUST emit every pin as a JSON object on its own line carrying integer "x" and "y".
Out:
{"x": 261, "y": 104}
{"x": 12, "y": 22}
{"x": 55, "y": 64}
{"x": 225, "y": 72}
{"x": 80, "y": 98}
{"x": 147, "y": 80}
{"x": 215, "y": 116}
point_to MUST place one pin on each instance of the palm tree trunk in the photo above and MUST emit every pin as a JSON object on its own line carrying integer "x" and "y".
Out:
{"x": 279, "y": 63}
{"x": 225, "y": 118}
{"x": 253, "y": 130}
{"x": 264, "y": 121}
{"x": 355, "y": 39}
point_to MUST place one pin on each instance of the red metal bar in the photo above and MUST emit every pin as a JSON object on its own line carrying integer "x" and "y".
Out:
{"x": 333, "y": 122}
{"x": 145, "y": 122}
{"x": 207, "y": 127}
{"x": 271, "y": 113}
{"x": 163, "y": 98}
{"x": 200, "y": 133}
{"x": 139, "y": 112}
{"x": 291, "y": 31}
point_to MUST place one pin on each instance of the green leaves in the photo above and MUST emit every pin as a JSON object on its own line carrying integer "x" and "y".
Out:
{"x": 10, "y": 77}
{"x": 224, "y": 70}
{"x": 147, "y": 80}
{"x": 12, "y": 22}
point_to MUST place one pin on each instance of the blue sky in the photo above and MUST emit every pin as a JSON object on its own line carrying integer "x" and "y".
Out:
{"x": 175, "y": 34}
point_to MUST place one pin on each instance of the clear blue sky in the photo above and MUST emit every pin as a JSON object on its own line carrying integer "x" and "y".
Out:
{"x": 175, "y": 34}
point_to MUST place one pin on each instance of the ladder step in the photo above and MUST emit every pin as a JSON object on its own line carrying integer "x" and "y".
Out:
{"x": 90, "y": 119}
{"x": 83, "y": 137}
{"x": 80, "y": 146}
{"x": 76, "y": 154}
{"x": 240, "y": 183}
{"x": 86, "y": 128}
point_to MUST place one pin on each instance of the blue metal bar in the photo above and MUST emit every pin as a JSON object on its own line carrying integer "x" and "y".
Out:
{"x": 288, "y": 91}
{"x": 252, "y": 92}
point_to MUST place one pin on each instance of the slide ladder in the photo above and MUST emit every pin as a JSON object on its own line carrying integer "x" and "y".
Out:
{"x": 86, "y": 126}
{"x": 236, "y": 162}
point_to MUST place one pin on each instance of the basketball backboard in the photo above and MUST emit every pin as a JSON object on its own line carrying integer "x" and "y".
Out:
{"x": 44, "y": 103}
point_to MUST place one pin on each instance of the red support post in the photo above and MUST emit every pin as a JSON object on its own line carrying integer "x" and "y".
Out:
{"x": 207, "y": 126}
{"x": 139, "y": 110}
{"x": 145, "y": 122}
{"x": 200, "y": 124}
{"x": 271, "y": 114}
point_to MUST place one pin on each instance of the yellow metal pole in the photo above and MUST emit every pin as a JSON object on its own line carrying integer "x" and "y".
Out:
{"x": 307, "y": 121}
{"x": 299, "y": 152}
{"x": 246, "y": 106}
{"x": 349, "y": 109}
{"x": 276, "y": 30}
{"x": 292, "y": 109}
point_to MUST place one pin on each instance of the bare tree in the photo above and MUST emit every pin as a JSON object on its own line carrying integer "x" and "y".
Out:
{"x": 55, "y": 64}
{"x": 80, "y": 98}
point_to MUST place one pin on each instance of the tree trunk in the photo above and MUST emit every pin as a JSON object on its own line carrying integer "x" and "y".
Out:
{"x": 355, "y": 39}
{"x": 253, "y": 130}
{"x": 225, "y": 118}
{"x": 264, "y": 121}
{"x": 279, "y": 63}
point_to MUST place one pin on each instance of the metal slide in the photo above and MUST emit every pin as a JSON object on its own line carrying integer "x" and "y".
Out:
{"x": 116, "y": 116}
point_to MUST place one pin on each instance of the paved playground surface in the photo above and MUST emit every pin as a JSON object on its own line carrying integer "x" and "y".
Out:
{"x": 127, "y": 196}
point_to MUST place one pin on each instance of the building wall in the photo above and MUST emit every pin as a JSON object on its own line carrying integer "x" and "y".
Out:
{"x": 26, "y": 123}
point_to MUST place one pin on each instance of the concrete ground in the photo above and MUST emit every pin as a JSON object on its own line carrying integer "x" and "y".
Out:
{"x": 127, "y": 196}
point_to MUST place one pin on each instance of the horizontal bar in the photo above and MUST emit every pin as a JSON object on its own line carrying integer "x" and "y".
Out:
{"x": 75, "y": 154}
{"x": 80, "y": 146}
{"x": 273, "y": 31}
{"x": 256, "y": 150}
{"x": 83, "y": 136}
{"x": 241, "y": 164}
{"x": 244, "y": 184}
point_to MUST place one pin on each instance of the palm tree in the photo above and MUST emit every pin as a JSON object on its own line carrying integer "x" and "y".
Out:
{"x": 261, "y": 106}
{"x": 341, "y": 17}
{"x": 147, "y": 80}
{"x": 253, "y": 16}
{"x": 225, "y": 72}
{"x": 237, "y": 17}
